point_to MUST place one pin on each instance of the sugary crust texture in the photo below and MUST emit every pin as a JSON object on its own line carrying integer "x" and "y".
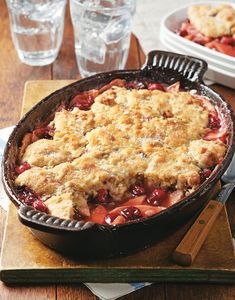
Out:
{"x": 126, "y": 134}
{"x": 213, "y": 21}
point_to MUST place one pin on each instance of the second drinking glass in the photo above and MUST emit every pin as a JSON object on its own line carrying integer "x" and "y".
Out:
{"x": 102, "y": 31}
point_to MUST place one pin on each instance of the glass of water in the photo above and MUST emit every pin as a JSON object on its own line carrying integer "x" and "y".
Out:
{"x": 37, "y": 28}
{"x": 102, "y": 31}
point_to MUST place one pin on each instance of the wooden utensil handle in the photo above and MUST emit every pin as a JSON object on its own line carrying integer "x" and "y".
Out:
{"x": 189, "y": 247}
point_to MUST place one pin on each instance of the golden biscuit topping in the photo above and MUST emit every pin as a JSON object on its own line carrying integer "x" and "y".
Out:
{"x": 128, "y": 136}
{"x": 213, "y": 21}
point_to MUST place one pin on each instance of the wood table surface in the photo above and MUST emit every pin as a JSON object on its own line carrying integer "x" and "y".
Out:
{"x": 13, "y": 75}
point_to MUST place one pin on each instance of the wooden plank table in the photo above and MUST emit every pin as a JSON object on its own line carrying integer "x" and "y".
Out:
{"x": 13, "y": 76}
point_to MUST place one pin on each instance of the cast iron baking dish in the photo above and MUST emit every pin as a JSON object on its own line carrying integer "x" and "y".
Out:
{"x": 90, "y": 240}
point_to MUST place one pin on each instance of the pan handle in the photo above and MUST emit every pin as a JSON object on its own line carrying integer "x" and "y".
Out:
{"x": 44, "y": 222}
{"x": 189, "y": 67}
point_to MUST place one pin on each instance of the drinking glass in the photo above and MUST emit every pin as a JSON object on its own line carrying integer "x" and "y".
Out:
{"x": 102, "y": 31}
{"x": 37, "y": 29}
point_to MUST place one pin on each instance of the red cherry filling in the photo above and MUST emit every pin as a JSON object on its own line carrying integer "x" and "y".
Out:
{"x": 225, "y": 44}
{"x": 156, "y": 197}
{"x": 131, "y": 213}
{"x": 137, "y": 190}
{"x": 30, "y": 198}
{"x": 223, "y": 139}
{"x": 83, "y": 101}
{"x": 42, "y": 133}
{"x": 214, "y": 121}
{"x": 216, "y": 134}
{"x": 183, "y": 32}
{"x": 227, "y": 40}
{"x": 27, "y": 196}
{"x": 40, "y": 205}
{"x": 204, "y": 174}
{"x": 103, "y": 196}
{"x": 155, "y": 86}
{"x": 21, "y": 168}
{"x": 135, "y": 85}
{"x": 223, "y": 48}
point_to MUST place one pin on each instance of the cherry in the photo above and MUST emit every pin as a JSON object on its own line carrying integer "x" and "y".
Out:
{"x": 103, "y": 196}
{"x": 21, "y": 168}
{"x": 40, "y": 205}
{"x": 183, "y": 32}
{"x": 83, "y": 101}
{"x": 29, "y": 200}
{"x": 223, "y": 139}
{"x": 204, "y": 174}
{"x": 156, "y": 197}
{"x": 26, "y": 195}
{"x": 131, "y": 213}
{"x": 155, "y": 86}
{"x": 226, "y": 40}
{"x": 214, "y": 121}
{"x": 137, "y": 190}
{"x": 135, "y": 85}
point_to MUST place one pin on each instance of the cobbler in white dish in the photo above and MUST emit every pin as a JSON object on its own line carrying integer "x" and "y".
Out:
{"x": 211, "y": 26}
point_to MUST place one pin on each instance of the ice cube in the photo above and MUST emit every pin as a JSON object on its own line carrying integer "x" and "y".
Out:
{"x": 92, "y": 47}
{"x": 116, "y": 29}
{"x": 94, "y": 19}
{"x": 43, "y": 12}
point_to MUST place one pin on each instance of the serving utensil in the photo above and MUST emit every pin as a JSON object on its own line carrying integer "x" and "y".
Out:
{"x": 192, "y": 242}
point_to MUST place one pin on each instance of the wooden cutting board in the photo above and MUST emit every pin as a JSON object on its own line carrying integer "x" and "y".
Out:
{"x": 26, "y": 259}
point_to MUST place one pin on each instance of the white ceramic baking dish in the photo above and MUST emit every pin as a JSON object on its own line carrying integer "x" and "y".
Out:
{"x": 172, "y": 22}
{"x": 214, "y": 73}
{"x": 221, "y": 66}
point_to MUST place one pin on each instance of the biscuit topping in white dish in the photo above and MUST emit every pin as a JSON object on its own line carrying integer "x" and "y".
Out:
{"x": 213, "y": 21}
